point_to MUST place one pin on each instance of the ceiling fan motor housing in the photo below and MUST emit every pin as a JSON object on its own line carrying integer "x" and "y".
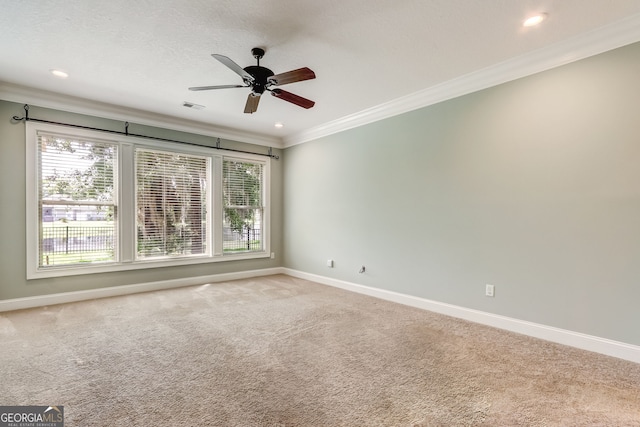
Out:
{"x": 261, "y": 76}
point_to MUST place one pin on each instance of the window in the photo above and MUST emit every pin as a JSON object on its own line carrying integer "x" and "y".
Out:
{"x": 99, "y": 204}
{"x": 76, "y": 201}
{"x": 243, "y": 206}
{"x": 171, "y": 204}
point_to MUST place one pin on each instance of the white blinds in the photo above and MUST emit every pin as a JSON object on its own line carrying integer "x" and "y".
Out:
{"x": 243, "y": 206}
{"x": 76, "y": 199}
{"x": 170, "y": 204}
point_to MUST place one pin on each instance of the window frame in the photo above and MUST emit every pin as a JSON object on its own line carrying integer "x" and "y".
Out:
{"x": 126, "y": 229}
{"x": 261, "y": 207}
{"x": 208, "y": 194}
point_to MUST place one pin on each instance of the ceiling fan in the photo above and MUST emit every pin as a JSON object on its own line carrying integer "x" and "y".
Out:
{"x": 261, "y": 79}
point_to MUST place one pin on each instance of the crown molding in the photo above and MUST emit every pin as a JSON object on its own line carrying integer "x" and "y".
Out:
{"x": 609, "y": 37}
{"x": 72, "y": 104}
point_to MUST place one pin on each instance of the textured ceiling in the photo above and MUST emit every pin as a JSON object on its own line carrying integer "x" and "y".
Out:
{"x": 143, "y": 55}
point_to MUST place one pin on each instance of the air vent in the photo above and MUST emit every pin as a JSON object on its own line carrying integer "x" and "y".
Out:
{"x": 192, "y": 105}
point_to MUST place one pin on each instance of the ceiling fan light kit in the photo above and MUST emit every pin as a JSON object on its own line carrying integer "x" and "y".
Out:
{"x": 261, "y": 79}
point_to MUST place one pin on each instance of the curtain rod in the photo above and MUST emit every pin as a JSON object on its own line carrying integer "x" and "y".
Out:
{"x": 126, "y": 132}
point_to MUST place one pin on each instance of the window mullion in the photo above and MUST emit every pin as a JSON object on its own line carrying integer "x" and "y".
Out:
{"x": 217, "y": 208}
{"x": 126, "y": 214}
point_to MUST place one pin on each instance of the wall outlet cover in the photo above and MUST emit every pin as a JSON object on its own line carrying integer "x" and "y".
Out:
{"x": 489, "y": 290}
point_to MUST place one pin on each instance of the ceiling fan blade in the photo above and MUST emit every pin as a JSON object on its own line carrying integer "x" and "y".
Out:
{"x": 234, "y": 67}
{"x": 292, "y": 76}
{"x": 252, "y": 103}
{"x": 292, "y": 98}
{"x": 215, "y": 87}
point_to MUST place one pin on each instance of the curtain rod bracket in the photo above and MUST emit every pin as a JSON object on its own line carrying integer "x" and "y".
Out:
{"x": 218, "y": 143}
{"x": 126, "y": 128}
{"x": 273, "y": 156}
{"x": 26, "y": 115}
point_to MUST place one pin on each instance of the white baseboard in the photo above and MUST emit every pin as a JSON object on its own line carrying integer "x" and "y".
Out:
{"x": 561, "y": 336}
{"x": 61, "y": 298}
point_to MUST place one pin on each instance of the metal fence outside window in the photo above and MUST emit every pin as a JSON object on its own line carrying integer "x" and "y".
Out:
{"x": 70, "y": 239}
{"x": 77, "y": 240}
{"x": 250, "y": 239}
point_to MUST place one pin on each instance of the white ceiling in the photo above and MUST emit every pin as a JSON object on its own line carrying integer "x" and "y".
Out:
{"x": 139, "y": 57}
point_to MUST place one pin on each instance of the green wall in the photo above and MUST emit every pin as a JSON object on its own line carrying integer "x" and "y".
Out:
{"x": 532, "y": 186}
{"x": 13, "y": 283}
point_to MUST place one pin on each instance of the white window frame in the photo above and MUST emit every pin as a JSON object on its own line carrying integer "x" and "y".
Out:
{"x": 210, "y": 205}
{"x": 126, "y": 200}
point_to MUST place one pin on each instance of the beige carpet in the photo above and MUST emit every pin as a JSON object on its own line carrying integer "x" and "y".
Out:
{"x": 280, "y": 351}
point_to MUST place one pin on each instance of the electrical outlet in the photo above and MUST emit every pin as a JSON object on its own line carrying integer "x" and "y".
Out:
{"x": 273, "y": 255}
{"x": 330, "y": 263}
{"x": 489, "y": 290}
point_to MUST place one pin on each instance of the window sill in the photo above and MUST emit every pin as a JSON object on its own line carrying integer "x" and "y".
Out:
{"x": 62, "y": 271}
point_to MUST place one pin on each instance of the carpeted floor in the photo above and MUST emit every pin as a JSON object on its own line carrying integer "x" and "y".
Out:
{"x": 280, "y": 351}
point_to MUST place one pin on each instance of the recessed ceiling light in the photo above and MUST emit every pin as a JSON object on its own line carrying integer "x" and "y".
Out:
{"x": 279, "y": 125}
{"x": 534, "y": 20}
{"x": 59, "y": 73}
